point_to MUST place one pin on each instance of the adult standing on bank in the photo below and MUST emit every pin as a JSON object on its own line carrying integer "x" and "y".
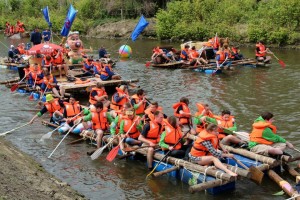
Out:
{"x": 36, "y": 37}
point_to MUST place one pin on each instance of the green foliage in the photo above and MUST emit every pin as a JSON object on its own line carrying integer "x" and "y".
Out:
{"x": 274, "y": 21}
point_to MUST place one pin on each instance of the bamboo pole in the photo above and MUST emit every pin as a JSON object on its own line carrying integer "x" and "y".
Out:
{"x": 156, "y": 174}
{"x": 292, "y": 172}
{"x": 286, "y": 187}
{"x": 209, "y": 184}
{"x": 249, "y": 154}
{"x": 246, "y": 153}
{"x": 10, "y": 81}
{"x": 239, "y": 171}
{"x": 191, "y": 166}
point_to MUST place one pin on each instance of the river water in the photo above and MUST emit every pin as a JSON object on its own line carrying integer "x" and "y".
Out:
{"x": 246, "y": 93}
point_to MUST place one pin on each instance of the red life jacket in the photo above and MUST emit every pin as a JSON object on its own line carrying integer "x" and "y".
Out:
{"x": 262, "y": 48}
{"x": 100, "y": 93}
{"x": 141, "y": 109}
{"x": 172, "y": 135}
{"x": 52, "y": 107}
{"x": 134, "y": 132}
{"x": 46, "y": 62}
{"x": 99, "y": 119}
{"x": 198, "y": 149}
{"x": 183, "y": 119}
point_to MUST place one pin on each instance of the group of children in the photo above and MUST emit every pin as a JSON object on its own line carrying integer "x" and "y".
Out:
{"x": 11, "y": 29}
{"x": 134, "y": 120}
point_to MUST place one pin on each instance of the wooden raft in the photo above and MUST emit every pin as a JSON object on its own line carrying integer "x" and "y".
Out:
{"x": 93, "y": 81}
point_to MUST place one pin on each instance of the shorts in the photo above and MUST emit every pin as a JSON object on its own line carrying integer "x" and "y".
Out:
{"x": 130, "y": 141}
{"x": 263, "y": 148}
{"x": 194, "y": 159}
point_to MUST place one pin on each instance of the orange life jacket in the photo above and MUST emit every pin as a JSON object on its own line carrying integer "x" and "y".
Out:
{"x": 99, "y": 119}
{"x": 118, "y": 106}
{"x": 257, "y": 132}
{"x": 182, "y": 56}
{"x": 150, "y": 114}
{"x": 141, "y": 109}
{"x": 216, "y": 42}
{"x": 173, "y": 135}
{"x": 100, "y": 93}
{"x": 261, "y": 49}
{"x": 98, "y": 66}
{"x": 21, "y": 50}
{"x": 134, "y": 132}
{"x": 11, "y": 29}
{"x": 209, "y": 43}
{"x": 193, "y": 54}
{"x": 72, "y": 109}
{"x": 234, "y": 50}
{"x": 52, "y": 107}
{"x": 46, "y": 62}
{"x": 35, "y": 76}
{"x": 222, "y": 56}
{"x": 154, "y": 133}
{"x": 200, "y": 127}
{"x": 224, "y": 124}
{"x": 49, "y": 81}
{"x": 58, "y": 58}
{"x": 198, "y": 149}
{"x": 183, "y": 119}
{"x": 103, "y": 71}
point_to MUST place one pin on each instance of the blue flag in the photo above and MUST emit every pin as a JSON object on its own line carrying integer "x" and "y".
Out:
{"x": 68, "y": 22}
{"x": 46, "y": 16}
{"x": 141, "y": 25}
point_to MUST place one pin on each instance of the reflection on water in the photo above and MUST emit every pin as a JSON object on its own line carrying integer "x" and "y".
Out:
{"x": 246, "y": 92}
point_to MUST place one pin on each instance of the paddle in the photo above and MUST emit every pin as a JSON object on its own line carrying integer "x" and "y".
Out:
{"x": 279, "y": 61}
{"x": 215, "y": 71}
{"x": 2, "y": 134}
{"x": 257, "y": 175}
{"x": 49, "y": 134}
{"x": 113, "y": 153}
{"x": 64, "y": 137}
{"x": 167, "y": 153}
{"x": 31, "y": 95}
{"x": 15, "y": 86}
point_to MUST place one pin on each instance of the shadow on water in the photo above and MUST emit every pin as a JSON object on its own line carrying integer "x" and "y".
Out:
{"x": 246, "y": 92}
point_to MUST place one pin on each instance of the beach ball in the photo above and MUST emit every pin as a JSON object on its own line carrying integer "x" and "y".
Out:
{"x": 125, "y": 51}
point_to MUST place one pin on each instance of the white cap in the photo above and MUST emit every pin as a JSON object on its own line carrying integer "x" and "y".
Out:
{"x": 12, "y": 46}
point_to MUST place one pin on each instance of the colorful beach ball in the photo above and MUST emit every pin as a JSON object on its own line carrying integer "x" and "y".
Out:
{"x": 125, "y": 51}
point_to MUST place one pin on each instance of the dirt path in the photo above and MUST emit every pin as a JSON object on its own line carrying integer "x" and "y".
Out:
{"x": 23, "y": 178}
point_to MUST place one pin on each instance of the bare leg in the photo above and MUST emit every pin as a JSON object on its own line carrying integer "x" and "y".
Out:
{"x": 99, "y": 133}
{"x": 54, "y": 90}
{"x": 150, "y": 156}
{"x": 207, "y": 160}
{"x": 275, "y": 151}
{"x": 231, "y": 139}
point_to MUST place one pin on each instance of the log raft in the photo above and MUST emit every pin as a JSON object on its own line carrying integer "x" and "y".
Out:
{"x": 69, "y": 86}
{"x": 286, "y": 187}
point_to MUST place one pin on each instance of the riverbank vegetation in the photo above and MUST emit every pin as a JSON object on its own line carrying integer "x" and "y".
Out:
{"x": 274, "y": 21}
